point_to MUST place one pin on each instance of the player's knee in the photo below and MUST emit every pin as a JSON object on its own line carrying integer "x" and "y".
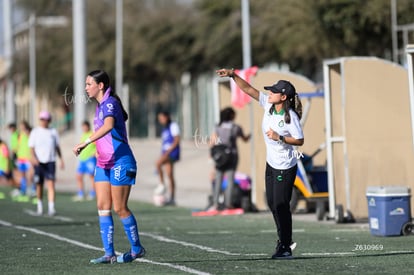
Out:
{"x": 122, "y": 211}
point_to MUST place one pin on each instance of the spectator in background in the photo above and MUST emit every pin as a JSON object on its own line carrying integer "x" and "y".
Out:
{"x": 5, "y": 167}
{"x": 44, "y": 148}
{"x": 86, "y": 166}
{"x": 14, "y": 141}
{"x": 13, "y": 145}
{"x": 170, "y": 154}
{"x": 23, "y": 160}
{"x": 226, "y": 133}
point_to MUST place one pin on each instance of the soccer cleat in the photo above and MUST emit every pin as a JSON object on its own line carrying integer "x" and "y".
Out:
{"x": 292, "y": 245}
{"x": 129, "y": 257}
{"x": 104, "y": 260}
{"x": 282, "y": 252}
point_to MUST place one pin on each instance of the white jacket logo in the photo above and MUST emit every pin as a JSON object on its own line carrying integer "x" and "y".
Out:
{"x": 117, "y": 173}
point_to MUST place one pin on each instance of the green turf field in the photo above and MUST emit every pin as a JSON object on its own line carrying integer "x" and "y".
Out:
{"x": 178, "y": 243}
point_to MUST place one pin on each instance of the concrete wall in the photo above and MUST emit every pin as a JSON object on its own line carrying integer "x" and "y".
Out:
{"x": 371, "y": 112}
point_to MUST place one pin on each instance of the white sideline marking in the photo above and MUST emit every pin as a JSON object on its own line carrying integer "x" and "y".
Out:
{"x": 201, "y": 247}
{"x": 74, "y": 242}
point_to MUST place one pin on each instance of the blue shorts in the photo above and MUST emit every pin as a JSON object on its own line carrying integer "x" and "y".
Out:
{"x": 120, "y": 174}
{"x": 7, "y": 175}
{"x": 23, "y": 165}
{"x": 87, "y": 166}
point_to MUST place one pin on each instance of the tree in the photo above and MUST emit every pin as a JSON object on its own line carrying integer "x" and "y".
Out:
{"x": 163, "y": 39}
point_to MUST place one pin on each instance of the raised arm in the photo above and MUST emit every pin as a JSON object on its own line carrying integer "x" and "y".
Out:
{"x": 243, "y": 85}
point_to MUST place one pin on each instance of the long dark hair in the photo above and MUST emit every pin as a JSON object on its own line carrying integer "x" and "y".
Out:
{"x": 293, "y": 103}
{"x": 227, "y": 114}
{"x": 101, "y": 76}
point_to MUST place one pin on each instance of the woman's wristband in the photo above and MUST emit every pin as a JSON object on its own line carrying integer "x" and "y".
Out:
{"x": 88, "y": 140}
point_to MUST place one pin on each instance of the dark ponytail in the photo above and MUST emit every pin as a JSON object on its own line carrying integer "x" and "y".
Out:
{"x": 295, "y": 104}
{"x": 101, "y": 76}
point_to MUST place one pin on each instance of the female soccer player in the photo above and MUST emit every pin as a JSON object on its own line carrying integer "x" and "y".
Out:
{"x": 170, "y": 154}
{"x": 115, "y": 169}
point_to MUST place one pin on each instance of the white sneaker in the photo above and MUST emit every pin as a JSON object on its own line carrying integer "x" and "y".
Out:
{"x": 15, "y": 192}
{"x": 160, "y": 189}
{"x": 51, "y": 212}
{"x": 78, "y": 198}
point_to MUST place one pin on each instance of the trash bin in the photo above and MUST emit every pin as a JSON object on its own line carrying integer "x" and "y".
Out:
{"x": 388, "y": 209}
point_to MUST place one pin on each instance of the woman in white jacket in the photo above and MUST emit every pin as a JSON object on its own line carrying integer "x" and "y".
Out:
{"x": 281, "y": 131}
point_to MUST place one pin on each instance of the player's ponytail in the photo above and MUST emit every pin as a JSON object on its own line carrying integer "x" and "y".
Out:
{"x": 295, "y": 104}
{"x": 115, "y": 95}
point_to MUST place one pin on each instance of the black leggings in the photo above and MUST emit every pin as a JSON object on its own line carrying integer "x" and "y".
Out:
{"x": 279, "y": 185}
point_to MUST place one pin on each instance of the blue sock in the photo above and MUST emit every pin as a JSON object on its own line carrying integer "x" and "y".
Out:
{"x": 106, "y": 224}
{"x": 131, "y": 230}
{"x": 23, "y": 185}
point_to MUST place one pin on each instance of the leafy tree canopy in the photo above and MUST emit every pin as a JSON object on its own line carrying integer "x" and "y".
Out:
{"x": 164, "y": 38}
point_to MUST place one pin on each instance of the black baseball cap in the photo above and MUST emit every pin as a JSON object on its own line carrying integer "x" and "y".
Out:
{"x": 283, "y": 87}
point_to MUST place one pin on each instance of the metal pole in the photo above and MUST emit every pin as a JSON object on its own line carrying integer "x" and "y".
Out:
{"x": 394, "y": 31}
{"x": 119, "y": 88}
{"x": 119, "y": 44}
{"x": 328, "y": 137}
{"x": 32, "y": 68}
{"x": 7, "y": 35}
{"x": 10, "y": 109}
{"x": 79, "y": 62}
{"x": 410, "y": 65}
{"x": 247, "y": 63}
{"x": 247, "y": 57}
{"x": 186, "y": 105}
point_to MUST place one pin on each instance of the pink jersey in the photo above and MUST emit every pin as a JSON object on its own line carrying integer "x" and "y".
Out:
{"x": 113, "y": 147}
